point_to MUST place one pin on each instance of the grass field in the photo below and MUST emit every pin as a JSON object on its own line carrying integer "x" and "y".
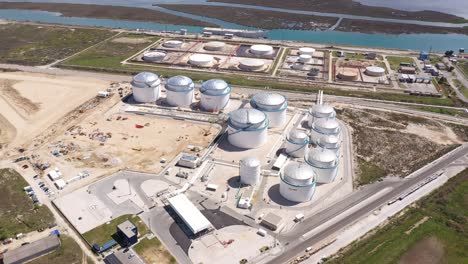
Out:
{"x": 434, "y": 231}
{"x": 152, "y": 251}
{"x": 17, "y": 211}
{"x": 103, "y": 233}
{"x": 69, "y": 252}
{"x": 37, "y": 45}
{"x": 445, "y": 111}
{"x": 463, "y": 66}
{"x": 461, "y": 87}
{"x": 395, "y": 61}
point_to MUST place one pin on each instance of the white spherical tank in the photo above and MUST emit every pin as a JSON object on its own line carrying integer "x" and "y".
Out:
{"x": 179, "y": 91}
{"x": 320, "y": 111}
{"x": 273, "y": 105}
{"x": 297, "y": 182}
{"x": 375, "y": 71}
{"x": 330, "y": 142}
{"x": 250, "y": 171}
{"x": 306, "y": 51}
{"x": 146, "y": 87}
{"x": 247, "y": 128}
{"x": 296, "y": 143}
{"x": 324, "y": 162}
{"x": 173, "y": 44}
{"x": 251, "y": 64}
{"x": 261, "y": 50}
{"x": 201, "y": 60}
{"x": 214, "y": 46}
{"x": 154, "y": 56}
{"x": 215, "y": 95}
{"x": 324, "y": 127}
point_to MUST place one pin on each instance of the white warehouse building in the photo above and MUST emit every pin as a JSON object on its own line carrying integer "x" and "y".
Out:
{"x": 324, "y": 162}
{"x": 320, "y": 111}
{"x": 250, "y": 171}
{"x": 146, "y": 87}
{"x": 179, "y": 91}
{"x": 324, "y": 127}
{"x": 215, "y": 95}
{"x": 247, "y": 128}
{"x": 273, "y": 105}
{"x": 297, "y": 182}
{"x": 296, "y": 143}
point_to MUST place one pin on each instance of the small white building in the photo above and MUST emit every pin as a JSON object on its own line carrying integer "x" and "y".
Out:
{"x": 60, "y": 184}
{"x": 189, "y": 213}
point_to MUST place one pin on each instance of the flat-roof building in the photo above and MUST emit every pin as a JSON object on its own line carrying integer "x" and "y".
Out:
{"x": 407, "y": 70}
{"x": 272, "y": 221}
{"x": 128, "y": 231}
{"x": 190, "y": 214}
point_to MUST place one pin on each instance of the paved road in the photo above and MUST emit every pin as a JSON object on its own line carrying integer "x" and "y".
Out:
{"x": 296, "y": 246}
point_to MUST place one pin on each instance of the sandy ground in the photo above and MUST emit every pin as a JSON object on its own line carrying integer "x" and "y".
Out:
{"x": 131, "y": 40}
{"x": 31, "y": 102}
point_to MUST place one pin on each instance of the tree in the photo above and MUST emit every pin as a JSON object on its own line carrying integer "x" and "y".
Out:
{"x": 449, "y": 53}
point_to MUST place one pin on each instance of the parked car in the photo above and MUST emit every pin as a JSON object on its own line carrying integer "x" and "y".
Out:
{"x": 36, "y": 177}
{"x": 45, "y": 189}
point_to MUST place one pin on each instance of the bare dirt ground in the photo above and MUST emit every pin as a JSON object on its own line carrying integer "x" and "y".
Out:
{"x": 427, "y": 251}
{"x": 131, "y": 40}
{"x": 31, "y": 102}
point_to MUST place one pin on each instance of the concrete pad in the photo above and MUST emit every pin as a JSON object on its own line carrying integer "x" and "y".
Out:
{"x": 124, "y": 192}
{"x": 152, "y": 187}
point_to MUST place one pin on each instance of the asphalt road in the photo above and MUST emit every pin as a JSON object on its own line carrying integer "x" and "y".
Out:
{"x": 296, "y": 246}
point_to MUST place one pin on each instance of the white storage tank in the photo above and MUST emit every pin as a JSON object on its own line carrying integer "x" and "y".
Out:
{"x": 250, "y": 171}
{"x": 247, "y": 128}
{"x": 273, "y": 105}
{"x": 330, "y": 142}
{"x": 305, "y": 58}
{"x": 321, "y": 111}
{"x": 324, "y": 127}
{"x": 179, "y": 91}
{"x": 250, "y": 64}
{"x": 306, "y": 51}
{"x": 173, "y": 44}
{"x": 214, "y": 46}
{"x": 261, "y": 50}
{"x": 297, "y": 182}
{"x": 215, "y": 95}
{"x": 375, "y": 71}
{"x": 154, "y": 56}
{"x": 296, "y": 143}
{"x": 146, "y": 87}
{"x": 201, "y": 60}
{"x": 324, "y": 162}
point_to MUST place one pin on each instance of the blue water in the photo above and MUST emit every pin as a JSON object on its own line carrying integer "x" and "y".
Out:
{"x": 438, "y": 42}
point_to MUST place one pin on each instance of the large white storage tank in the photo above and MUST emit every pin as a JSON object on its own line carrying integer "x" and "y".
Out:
{"x": 297, "y": 182}
{"x": 146, "y": 87}
{"x": 324, "y": 162}
{"x": 247, "y": 128}
{"x": 320, "y": 111}
{"x": 273, "y": 105}
{"x": 215, "y": 95}
{"x": 250, "y": 171}
{"x": 306, "y": 51}
{"x": 261, "y": 49}
{"x": 296, "y": 143}
{"x": 179, "y": 91}
{"x": 324, "y": 127}
{"x": 330, "y": 142}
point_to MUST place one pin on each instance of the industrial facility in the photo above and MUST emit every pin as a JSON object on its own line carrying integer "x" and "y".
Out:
{"x": 297, "y": 182}
{"x": 179, "y": 91}
{"x": 273, "y": 105}
{"x": 247, "y": 128}
{"x": 146, "y": 87}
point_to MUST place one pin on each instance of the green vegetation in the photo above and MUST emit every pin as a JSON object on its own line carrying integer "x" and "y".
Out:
{"x": 444, "y": 111}
{"x": 112, "y": 52}
{"x": 463, "y": 66}
{"x": 69, "y": 252}
{"x": 436, "y": 229}
{"x": 17, "y": 211}
{"x": 369, "y": 172}
{"x": 353, "y": 55}
{"x": 37, "y": 45}
{"x": 461, "y": 87}
{"x": 434, "y": 59}
{"x": 152, "y": 251}
{"x": 104, "y": 233}
{"x": 395, "y": 61}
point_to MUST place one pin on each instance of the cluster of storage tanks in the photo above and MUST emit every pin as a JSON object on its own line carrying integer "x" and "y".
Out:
{"x": 180, "y": 90}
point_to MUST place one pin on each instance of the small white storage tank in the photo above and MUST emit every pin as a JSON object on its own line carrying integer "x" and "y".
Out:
{"x": 273, "y": 105}
{"x": 247, "y": 128}
{"x": 154, "y": 56}
{"x": 324, "y": 162}
{"x": 173, "y": 44}
{"x": 215, "y": 95}
{"x": 250, "y": 171}
{"x": 201, "y": 60}
{"x": 320, "y": 111}
{"x": 179, "y": 91}
{"x": 306, "y": 51}
{"x": 261, "y": 49}
{"x": 297, "y": 182}
{"x": 146, "y": 87}
{"x": 214, "y": 46}
{"x": 250, "y": 64}
{"x": 375, "y": 71}
{"x": 305, "y": 58}
{"x": 296, "y": 143}
{"x": 330, "y": 142}
{"x": 324, "y": 127}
